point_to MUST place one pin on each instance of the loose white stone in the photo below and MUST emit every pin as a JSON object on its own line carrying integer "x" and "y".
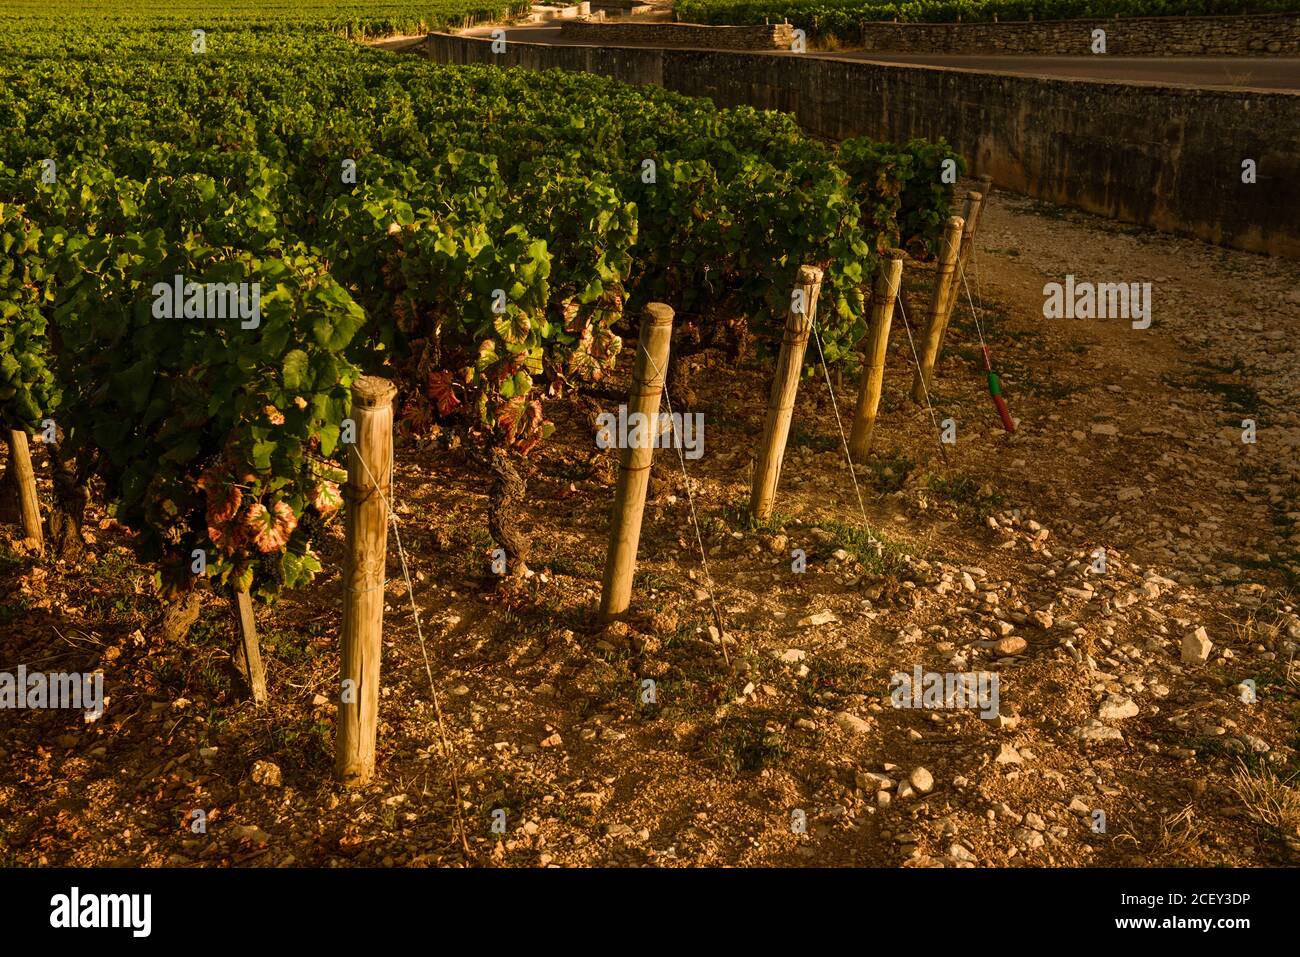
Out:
{"x": 1116, "y": 708}
{"x": 922, "y": 780}
{"x": 1196, "y": 647}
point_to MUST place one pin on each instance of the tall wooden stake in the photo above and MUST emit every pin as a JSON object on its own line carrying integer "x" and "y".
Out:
{"x": 785, "y": 383}
{"x": 20, "y": 462}
{"x": 366, "y": 497}
{"x": 971, "y": 214}
{"x": 252, "y": 653}
{"x": 883, "y": 294}
{"x": 943, "y": 288}
{"x": 648, "y": 372}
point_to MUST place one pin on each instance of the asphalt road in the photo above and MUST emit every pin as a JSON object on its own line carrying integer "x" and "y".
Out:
{"x": 1262, "y": 73}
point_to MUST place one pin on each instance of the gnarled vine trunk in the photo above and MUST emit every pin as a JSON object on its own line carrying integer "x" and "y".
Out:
{"x": 504, "y": 500}
{"x": 71, "y": 496}
{"x": 179, "y": 616}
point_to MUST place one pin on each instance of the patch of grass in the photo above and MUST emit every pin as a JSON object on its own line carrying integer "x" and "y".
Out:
{"x": 576, "y": 815}
{"x": 196, "y": 668}
{"x": 742, "y": 743}
{"x": 735, "y": 515}
{"x": 471, "y": 547}
{"x": 210, "y": 673}
{"x": 890, "y": 474}
{"x": 654, "y": 581}
{"x": 1280, "y": 681}
{"x": 110, "y": 568}
{"x": 686, "y": 629}
{"x": 1210, "y": 746}
{"x": 974, "y": 499}
{"x": 714, "y": 526}
{"x": 169, "y": 675}
{"x": 1272, "y": 802}
{"x": 877, "y": 554}
{"x": 574, "y": 567}
{"x": 304, "y": 742}
{"x": 1265, "y": 624}
{"x": 109, "y": 573}
{"x": 9, "y": 561}
{"x": 290, "y": 648}
{"x": 829, "y": 42}
{"x": 512, "y": 795}
{"x": 216, "y": 723}
{"x": 839, "y": 679}
{"x": 1179, "y": 837}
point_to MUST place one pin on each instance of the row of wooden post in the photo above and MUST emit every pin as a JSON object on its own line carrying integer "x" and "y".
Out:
{"x": 370, "y": 467}
{"x": 954, "y": 255}
{"x": 652, "y": 362}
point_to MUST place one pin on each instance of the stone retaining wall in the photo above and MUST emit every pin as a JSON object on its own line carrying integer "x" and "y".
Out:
{"x": 1162, "y": 156}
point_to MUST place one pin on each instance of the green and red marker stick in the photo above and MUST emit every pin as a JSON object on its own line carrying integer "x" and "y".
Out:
{"x": 995, "y": 390}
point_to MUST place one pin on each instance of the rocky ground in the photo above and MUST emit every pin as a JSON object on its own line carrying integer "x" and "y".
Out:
{"x": 1124, "y": 564}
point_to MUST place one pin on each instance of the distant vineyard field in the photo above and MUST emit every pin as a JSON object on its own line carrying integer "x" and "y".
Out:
{"x": 358, "y": 18}
{"x": 845, "y": 17}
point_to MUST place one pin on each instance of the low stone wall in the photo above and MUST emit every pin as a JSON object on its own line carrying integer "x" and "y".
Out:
{"x": 1273, "y": 34}
{"x": 1166, "y": 157}
{"x": 778, "y": 36}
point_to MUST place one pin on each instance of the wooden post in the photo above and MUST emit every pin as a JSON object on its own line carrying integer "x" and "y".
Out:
{"x": 883, "y": 294}
{"x": 648, "y": 371}
{"x": 943, "y": 288}
{"x": 960, "y": 281}
{"x": 20, "y": 463}
{"x": 366, "y": 497}
{"x": 243, "y": 603}
{"x": 780, "y": 403}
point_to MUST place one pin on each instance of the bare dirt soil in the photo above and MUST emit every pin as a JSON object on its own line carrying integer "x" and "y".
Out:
{"x": 1129, "y": 441}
